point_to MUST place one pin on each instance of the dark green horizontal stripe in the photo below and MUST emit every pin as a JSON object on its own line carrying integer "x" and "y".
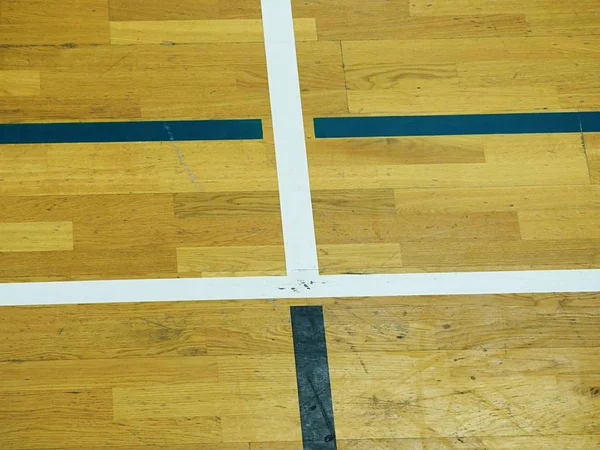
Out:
{"x": 184, "y": 130}
{"x": 450, "y": 125}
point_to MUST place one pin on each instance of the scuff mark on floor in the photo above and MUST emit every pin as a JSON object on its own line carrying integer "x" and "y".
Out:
{"x": 190, "y": 173}
{"x": 584, "y": 148}
{"x": 582, "y": 138}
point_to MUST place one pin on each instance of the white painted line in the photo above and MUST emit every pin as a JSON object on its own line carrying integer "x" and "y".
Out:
{"x": 13, "y": 294}
{"x": 290, "y": 146}
{"x": 303, "y": 280}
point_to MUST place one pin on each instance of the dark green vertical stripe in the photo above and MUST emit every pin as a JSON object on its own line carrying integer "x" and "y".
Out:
{"x": 312, "y": 374}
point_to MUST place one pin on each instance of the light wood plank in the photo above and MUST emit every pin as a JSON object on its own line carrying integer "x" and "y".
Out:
{"x": 359, "y": 258}
{"x": 61, "y": 434}
{"x": 266, "y": 260}
{"x": 105, "y": 373}
{"x": 19, "y": 83}
{"x": 410, "y": 372}
{"x": 79, "y": 406}
{"x": 205, "y": 400}
{"x": 464, "y": 398}
{"x": 380, "y": 19}
{"x": 256, "y": 428}
{"x": 235, "y": 9}
{"x": 196, "y": 31}
{"x": 140, "y": 10}
{"x": 512, "y": 75}
{"x": 197, "y": 205}
{"x": 465, "y": 200}
{"x": 151, "y": 167}
{"x": 477, "y": 7}
{"x": 257, "y": 367}
{"x": 505, "y": 174}
{"x": 449, "y": 100}
{"x": 501, "y": 255}
{"x": 560, "y": 224}
{"x": 591, "y": 143}
{"x": 531, "y": 361}
{"x": 492, "y": 226}
{"x": 36, "y": 236}
{"x": 394, "y": 151}
{"x": 51, "y": 109}
{"x": 136, "y": 235}
{"x": 276, "y": 445}
{"x": 567, "y": 24}
{"x": 491, "y": 443}
{"x": 69, "y": 22}
{"x": 422, "y": 51}
{"x": 23, "y": 160}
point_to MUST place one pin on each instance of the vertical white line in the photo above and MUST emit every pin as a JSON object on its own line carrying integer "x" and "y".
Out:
{"x": 290, "y": 144}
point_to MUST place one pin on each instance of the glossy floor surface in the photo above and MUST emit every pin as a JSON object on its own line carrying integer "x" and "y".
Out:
{"x": 513, "y": 371}
{"x": 141, "y": 209}
{"x": 381, "y": 205}
{"x": 468, "y": 372}
{"x": 453, "y": 203}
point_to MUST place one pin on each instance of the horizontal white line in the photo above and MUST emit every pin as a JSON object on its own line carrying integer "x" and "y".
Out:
{"x": 303, "y": 280}
{"x": 121, "y": 291}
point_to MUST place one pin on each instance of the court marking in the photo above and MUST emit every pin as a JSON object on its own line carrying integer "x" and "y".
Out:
{"x": 312, "y": 376}
{"x": 451, "y": 125}
{"x": 148, "y": 131}
{"x": 290, "y": 146}
{"x": 327, "y": 286}
{"x": 303, "y": 279}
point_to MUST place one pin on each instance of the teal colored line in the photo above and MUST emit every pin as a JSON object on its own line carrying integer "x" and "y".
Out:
{"x": 450, "y": 125}
{"x": 83, "y": 132}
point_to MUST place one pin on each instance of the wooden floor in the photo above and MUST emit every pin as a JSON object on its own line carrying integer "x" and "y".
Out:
{"x": 381, "y": 205}
{"x": 494, "y": 372}
{"x": 453, "y": 203}
{"x": 448, "y": 372}
{"x": 136, "y": 210}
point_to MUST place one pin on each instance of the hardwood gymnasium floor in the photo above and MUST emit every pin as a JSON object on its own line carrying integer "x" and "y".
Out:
{"x": 381, "y": 205}
{"x": 139, "y": 209}
{"x": 514, "y": 371}
{"x": 467, "y": 372}
{"x": 453, "y": 203}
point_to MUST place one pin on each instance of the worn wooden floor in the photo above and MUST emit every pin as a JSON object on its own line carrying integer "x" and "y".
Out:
{"x": 468, "y": 372}
{"x": 136, "y": 210}
{"x": 511, "y": 371}
{"x": 453, "y": 203}
{"x": 178, "y": 209}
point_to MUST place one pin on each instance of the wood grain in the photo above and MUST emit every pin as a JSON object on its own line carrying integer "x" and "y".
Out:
{"x": 592, "y": 147}
{"x": 463, "y": 203}
{"x": 464, "y": 372}
{"x": 138, "y": 375}
{"x": 19, "y": 83}
{"x": 133, "y": 205}
{"x": 69, "y": 22}
{"x": 36, "y": 236}
{"x": 495, "y": 371}
{"x": 196, "y": 31}
{"x": 205, "y": 261}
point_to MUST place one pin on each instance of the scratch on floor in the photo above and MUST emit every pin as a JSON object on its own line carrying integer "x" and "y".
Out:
{"x": 328, "y": 420}
{"x": 158, "y": 324}
{"x": 362, "y": 363}
{"x": 583, "y": 147}
{"x": 190, "y": 173}
{"x": 582, "y": 138}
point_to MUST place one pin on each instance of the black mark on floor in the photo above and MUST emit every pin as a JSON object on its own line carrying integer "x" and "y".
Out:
{"x": 312, "y": 373}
